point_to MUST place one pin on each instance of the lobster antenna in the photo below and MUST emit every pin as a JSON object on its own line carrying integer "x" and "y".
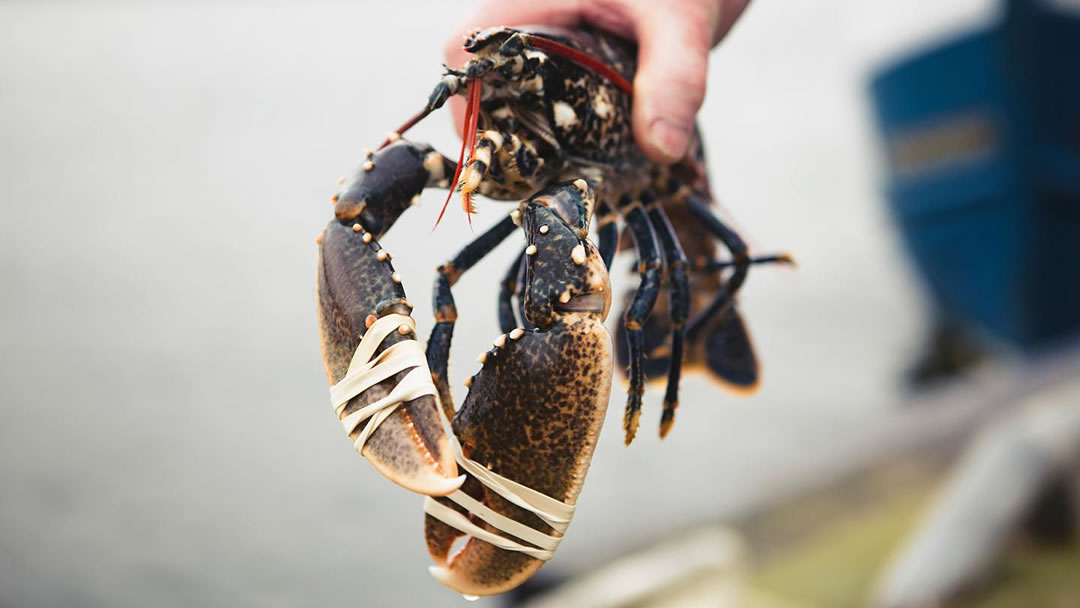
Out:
{"x": 397, "y": 133}
{"x": 583, "y": 59}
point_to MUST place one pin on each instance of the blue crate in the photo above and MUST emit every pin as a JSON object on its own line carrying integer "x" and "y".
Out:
{"x": 982, "y": 135}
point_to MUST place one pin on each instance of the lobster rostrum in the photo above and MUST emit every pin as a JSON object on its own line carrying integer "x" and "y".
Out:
{"x": 547, "y": 122}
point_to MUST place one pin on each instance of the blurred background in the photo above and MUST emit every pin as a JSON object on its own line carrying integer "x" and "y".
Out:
{"x": 165, "y": 435}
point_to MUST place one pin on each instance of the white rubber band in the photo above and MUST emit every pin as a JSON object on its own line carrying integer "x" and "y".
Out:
{"x": 364, "y": 373}
{"x": 555, "y": 513}
{"x": 454, "y": 519}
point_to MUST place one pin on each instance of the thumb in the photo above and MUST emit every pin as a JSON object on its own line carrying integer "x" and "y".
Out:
{"x": 670, "y": 82}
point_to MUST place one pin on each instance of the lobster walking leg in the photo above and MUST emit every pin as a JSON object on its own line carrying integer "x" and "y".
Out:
{"x": 707, "y": 265}
{"x": 521, "y": 293}
{"x": 740, "y": 257}
{"x": 650, "y": 264}
{"x": 507, "y": 317}
{"x": 438, "y": 349}
{"x": 607, "y": 233}
{"x": 719, "y": 328}
{"x": 678, "y": 308}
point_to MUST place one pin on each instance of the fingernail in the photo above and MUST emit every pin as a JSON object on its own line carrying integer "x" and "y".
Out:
{"x": 670, "y": 137}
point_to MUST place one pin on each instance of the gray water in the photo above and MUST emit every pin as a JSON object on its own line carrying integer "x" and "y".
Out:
{"x": 165, "y": 434}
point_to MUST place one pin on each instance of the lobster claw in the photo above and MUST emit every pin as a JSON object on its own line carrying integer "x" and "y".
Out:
{"x": 382, "y": 389}
{"x": 529, "y": 424}
{"x": 362, "y": 316}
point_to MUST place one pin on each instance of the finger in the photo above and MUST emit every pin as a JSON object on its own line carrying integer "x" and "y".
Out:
{"x": 670, "y": 82}
{"x": 730, "y": 10}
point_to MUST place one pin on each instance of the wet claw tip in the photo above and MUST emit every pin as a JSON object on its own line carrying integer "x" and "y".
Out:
{"x": 446, "y": 579}
{"x": 440, "y": 574}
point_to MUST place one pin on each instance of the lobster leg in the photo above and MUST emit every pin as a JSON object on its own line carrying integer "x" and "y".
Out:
{"x": 526, "y": 443}
{"x": 729, "y": 351}
{"x": 607, "y": 233}
{"x": 650, "y": 264}
{"x": 389, "y": 413}
{"x": 678, "y": 308}
{"x": 520, "y": 294}
{"x": 507, "y": 317}
{"x": 438, "y": 348}
{"x": 706, "y": 265}
{"x": 740, "y": 258}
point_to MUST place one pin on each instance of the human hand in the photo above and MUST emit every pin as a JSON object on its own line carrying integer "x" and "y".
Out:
{"x": 674, "y": 38}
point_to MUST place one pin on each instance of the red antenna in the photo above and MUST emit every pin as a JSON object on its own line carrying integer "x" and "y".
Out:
{"x": 472, "y": 110}
{"x": 472, "y": 119}
{"x": 583, "y": 59}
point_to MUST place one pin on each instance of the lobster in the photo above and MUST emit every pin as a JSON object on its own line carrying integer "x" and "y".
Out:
{"x": 547, "y": 123}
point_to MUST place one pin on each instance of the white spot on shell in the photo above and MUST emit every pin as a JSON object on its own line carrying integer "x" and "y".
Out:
{"x": 565, "y": 297}
{"x": 468, "y": 382}
{"x": 368, "y": 166}
{"x": 433, "y": 164}
{"x": 499, "y": 342}
{"x": 515, "y": 216}
{"x": 601, "y": 105}
{"x": 395, "y": 277}
{"x": 534, "y": 84}
{"x": 564, "y": 114}
{"x": 366, "y": 238}
{"x": 578, "y": 254}
{"x": 544, "y": 229}
{"x": 381, "y": 255}
{"x": 415, "y": 200}
{"x": 530, "y": 250}
{"x": 482, "y": 358}
{"x": 516, "y": 333}
{"x": 582, "y": 185}
{"x": 393, "y": 136}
